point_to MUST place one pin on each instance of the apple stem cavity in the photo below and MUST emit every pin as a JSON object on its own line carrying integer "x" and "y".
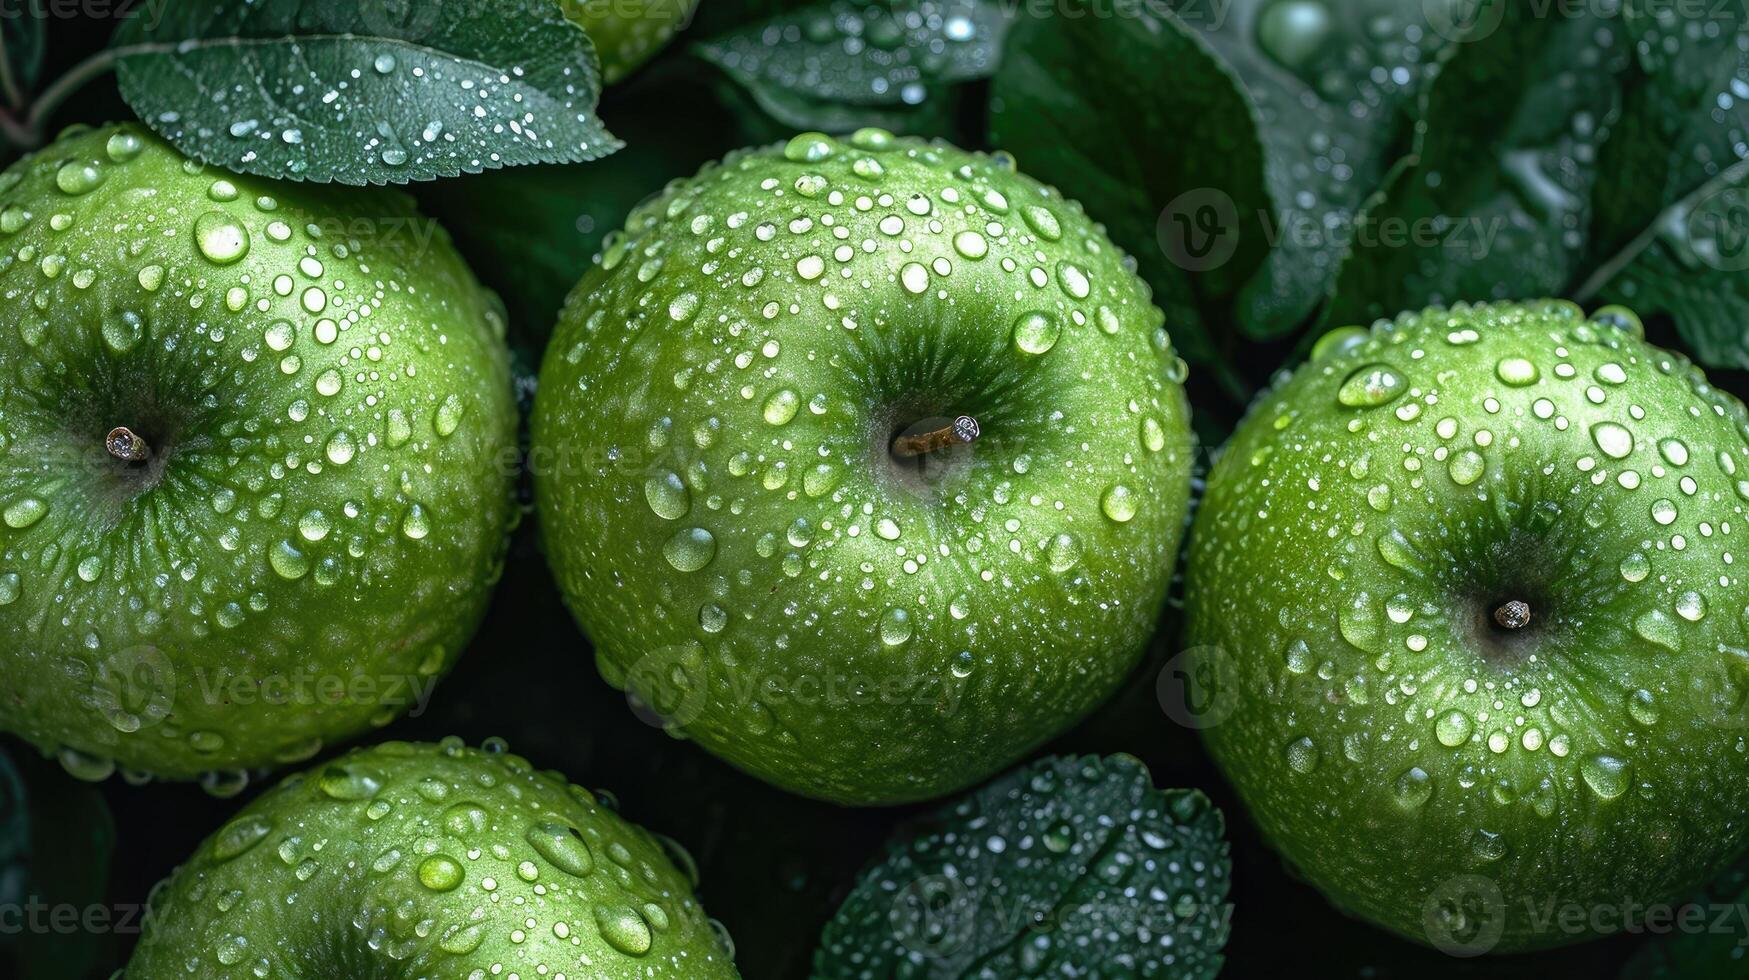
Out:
{"x": 960, "y": 431}
{"x": 124, "y": 444}
{"x": 1513, "y": 615}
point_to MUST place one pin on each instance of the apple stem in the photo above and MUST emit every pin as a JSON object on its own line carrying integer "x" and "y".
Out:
{"x": 956, "y": 433}
{"x": 1513, "y": 615}
{"x": 126, "y": 446}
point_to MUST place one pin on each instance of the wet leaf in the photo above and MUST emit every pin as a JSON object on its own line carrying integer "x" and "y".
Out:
{"x": 1063, "y": 867}
{"x": 382, "y": 92}
{"x": 823, "y": 67}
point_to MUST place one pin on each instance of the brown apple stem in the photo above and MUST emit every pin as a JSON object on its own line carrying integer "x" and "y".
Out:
{"x": 124, "y": 445}
{"x": 1513, "y": 615}
{"x": 956, "y": 433}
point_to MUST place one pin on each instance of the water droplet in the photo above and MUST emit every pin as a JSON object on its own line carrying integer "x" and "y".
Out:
{"x": 1517, "y": 372}
{"x": 1413, "y": 788}
{"x": 1615, "y": 440}
{"x": 440, "y": 873}
{"x": 895, "y": 627}
{"x": 449, "y": 416}
{"x": 623, "y": 928}
{"x": 667, "y": 496}
{"x": 348, "y": 783}
{"x": 1466, "y": 467}
{"x": 24, "y": 512}
{"x": 220, "y": 237}
{"x": 1370, "y": 386}
{"x": 1453, "y": 728}
{"x": 1063, "y": 552}
{"x": 1607, "y": 775}
{"x": 1036, "y": 332}
{"x": 690, "y": 549}
{"x": 1358, "y": 621}
{"x": 781, "y": 407}
{"x": 1302, "y": 755}
{"x": 1119, "y": 503}
{"x": 79, "y": 176}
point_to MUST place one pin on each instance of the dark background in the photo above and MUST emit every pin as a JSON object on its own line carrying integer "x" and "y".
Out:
{"x": 773, "y": 866}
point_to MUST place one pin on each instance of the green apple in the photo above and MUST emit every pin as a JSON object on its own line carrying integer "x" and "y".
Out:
{"x": 256, "y": 457}
{"x": 864, "y": 462}
{"x": 1469, "y": 585}
{"x": 416, "y": 860}
{"x": 627, "y": 32}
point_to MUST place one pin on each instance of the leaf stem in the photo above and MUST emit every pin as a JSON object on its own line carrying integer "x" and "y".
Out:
{"x": 1594, "y": 283}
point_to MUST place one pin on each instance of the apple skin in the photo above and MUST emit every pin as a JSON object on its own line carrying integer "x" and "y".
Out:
{"x": 327, "y": 498}
{"x": 627, "y": 32}
{"x": 1428, "y": 770}
{"x": 406, "y": 860}
{"x": 724, "y": 516}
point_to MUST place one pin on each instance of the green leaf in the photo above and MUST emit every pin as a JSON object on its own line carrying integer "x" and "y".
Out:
{"x": 826, "y": 66}
{"x": 1332, "y": 85}
{"x": 386, "y": 91}
{"x": 1670, "y": 231}
{"x": 1069, "y": 862}
{"x": 1181, "y": 167}
{"x": 1495, "y": 199}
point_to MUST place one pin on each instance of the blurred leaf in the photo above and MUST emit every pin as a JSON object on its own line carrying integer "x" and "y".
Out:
{"x": 824, "y": 66}
{"x": 387, "y": 91}
{"x": 1332, "y": 85}
{"x": 1671, "y": 231}
{"x": 24, "y": 38}
{"x": 1052, "y": 869}
{"x": 1178, "y": 181}
{"x": 68, "y": 930}
{"x": 1494, "y": 201}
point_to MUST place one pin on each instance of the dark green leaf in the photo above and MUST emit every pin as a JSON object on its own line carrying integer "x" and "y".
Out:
{"x": 1177, "y": 176}
{"x": 1069, "y": 862}
{"x": 824, "y": 66}
{"x": 385, "y": 91}
{"x": 1670, "y": 224}
{"x": 1331, "y": 84}
{"x": 1495, "y": 200}
{"x": 24, "y": 39}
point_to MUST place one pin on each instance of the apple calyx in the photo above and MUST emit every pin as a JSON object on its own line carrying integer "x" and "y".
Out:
{"x": 1513, "y": 615}
{"x": 124, "y": 444}
{"x": 959, "y": 432}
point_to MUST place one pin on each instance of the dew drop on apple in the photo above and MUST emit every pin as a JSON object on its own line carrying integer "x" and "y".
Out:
{"x": 1063, "y": 552}
{"x": 220, "y": 237}
{"x": 1607, "y": 775}
{"x": 624, "y": 929}
{"x": 1302, "y": 755}
{"x": 1643, "y": 707}
{"x": 1487, "y": 845}
{"x": 1613, "y": 438}
{"x": 1119, "y": 503}
{"x": 11, "y": 587}
{"x": 1413, "y": 788}
{"x": 449, "y": 416}
{"x": 781, "y": 407}
{"x": 1358, "y": 622}
{"x": 79, "y": 177}
{"x": 667, "y": 496}
{"x": 690, "y": 549}
{"x": 1517, "y": 372}
{"x": 895, "y": 627}
{"x": 1635, "y": 567}
{"x": 1453, "y": 728}
{"x": 1655, "y": 627}
{"x": 1036, "y": 332}
{"x": 415, "y": 524}
{"x": 288, "y": 562}
{"x": 1042, "y": 221}
{"x": 24, "y": 512}
{"x": 1370, "y": 386}
{"x": 340, "y": 448}
{"x": 1466, "y": 467}
{"x": 122, "y": 331}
